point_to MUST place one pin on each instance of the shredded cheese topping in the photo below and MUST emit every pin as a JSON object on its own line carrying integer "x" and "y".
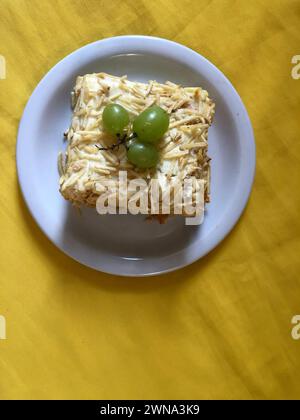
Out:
{"x": 183, "y": 149}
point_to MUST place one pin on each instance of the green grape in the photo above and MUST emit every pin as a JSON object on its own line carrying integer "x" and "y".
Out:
{"x": 115, "y": 118}
{"x": 142, "y": 155}
{"x": 151, "y": 124}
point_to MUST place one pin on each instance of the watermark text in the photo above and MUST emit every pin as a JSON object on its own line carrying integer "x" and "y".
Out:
{"x": 154, "y": 197}
{"x": 296, "y": 328}
{"x": 296, "y": 68}
{"x": 2, "y": 328}
{"x": 2, "y": 67}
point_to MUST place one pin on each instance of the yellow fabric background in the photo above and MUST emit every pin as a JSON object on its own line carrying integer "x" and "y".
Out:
{"x": 220, "y": 328}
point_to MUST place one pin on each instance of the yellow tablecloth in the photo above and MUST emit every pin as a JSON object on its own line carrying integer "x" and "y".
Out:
{"x": 220, "y": 328}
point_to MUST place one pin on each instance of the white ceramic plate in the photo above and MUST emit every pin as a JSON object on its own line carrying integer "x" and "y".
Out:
{"x": 127, "y": 245}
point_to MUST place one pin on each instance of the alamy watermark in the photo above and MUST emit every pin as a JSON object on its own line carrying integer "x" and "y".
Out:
{"x": 2, "y": 67}
{"x": 152, "y": 197}
{"x": 296, "y": 68}
{"x": 2, "y": 328}
{"x": 296, "y": 328}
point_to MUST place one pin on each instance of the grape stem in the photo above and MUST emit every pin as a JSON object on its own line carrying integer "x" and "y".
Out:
{"x": 121, "y": 140}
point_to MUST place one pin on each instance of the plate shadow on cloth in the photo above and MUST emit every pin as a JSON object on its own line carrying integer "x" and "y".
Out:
{"x": 72, "y": 271}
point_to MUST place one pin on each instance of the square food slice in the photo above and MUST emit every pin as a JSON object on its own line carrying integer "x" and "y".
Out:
{"x": 182, "y": 150}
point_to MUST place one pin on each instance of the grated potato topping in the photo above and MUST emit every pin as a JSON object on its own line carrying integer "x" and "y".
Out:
{"x": 183, "y": 149}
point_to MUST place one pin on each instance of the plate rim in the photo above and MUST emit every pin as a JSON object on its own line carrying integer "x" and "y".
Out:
{"x": 247, "y": 181}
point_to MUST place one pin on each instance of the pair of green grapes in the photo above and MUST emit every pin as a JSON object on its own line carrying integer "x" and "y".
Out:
{"x": 148, "y": 128}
